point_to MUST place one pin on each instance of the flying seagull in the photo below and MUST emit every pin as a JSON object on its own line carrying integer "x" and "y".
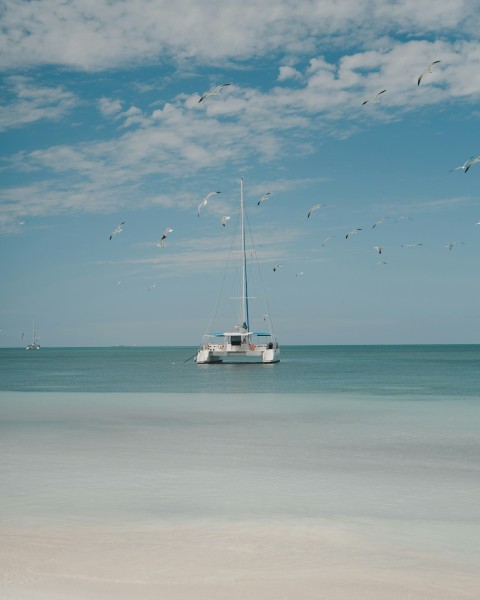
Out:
{"x": 378, "y": 249}
{"x": 118, "y": 229}
{"x": 472, "y": 162}
{"x": 327, "y": 239}
{"x": 453, "y": 244}
{"x": 427, "y": 70}
{"x": 376, "y": 100}
{"x": 225, "y": 219}
{"x": 299, "y": 274}
{"x": 353, "y": 232}
{"x": 277, "y": 267}
{"x": 205, "y": 200}
{"x": 382, "y": 220}
{"x": 213, "y": 92}
{"x": 161, "y": 241}
{"x": 313, "y": 209}
{"x": 263, "y": 198}
{"x": 462, "y": 167}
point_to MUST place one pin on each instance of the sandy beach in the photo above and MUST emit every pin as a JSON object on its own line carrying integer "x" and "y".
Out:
{"x": 208, "y": 560}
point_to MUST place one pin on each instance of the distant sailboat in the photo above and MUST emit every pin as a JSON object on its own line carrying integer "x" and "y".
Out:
{"x": 243, "y": 344}
{"x": 34, "y": 345}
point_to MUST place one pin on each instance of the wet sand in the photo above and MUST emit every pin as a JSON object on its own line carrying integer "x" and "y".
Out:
{"x": 220, "y": 560}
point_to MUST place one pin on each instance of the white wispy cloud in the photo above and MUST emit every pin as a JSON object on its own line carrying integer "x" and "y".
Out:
{"x": 319, "y": 94}
{"x": 28, "y": 102}
{"x": 287, "y": 72}
{"x": 110, "y": 107}
{"x": 100, "y": 35}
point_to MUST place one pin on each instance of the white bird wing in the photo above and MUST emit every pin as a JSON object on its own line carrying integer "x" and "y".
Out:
{"x": 219, "y": 87}
{"x": 327, "y": 239}
{"x": 214, "y": 91}
{"x": 205, "y": 200}
{"x": 353, "y": 232}
{"x": 374, "y": 99}
{"x": 117, "y": 229}
{"x": 472, "y": 162}
{"x": 427, "y": 70}
{"x": 201, "y": 205}
{"x": 264, "y": 197}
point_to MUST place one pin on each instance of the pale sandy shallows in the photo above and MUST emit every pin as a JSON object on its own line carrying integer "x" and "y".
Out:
{"x": 210, "y": 561}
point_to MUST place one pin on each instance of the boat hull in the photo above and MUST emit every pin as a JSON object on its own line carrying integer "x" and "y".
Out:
{"x": 214, "y": 355}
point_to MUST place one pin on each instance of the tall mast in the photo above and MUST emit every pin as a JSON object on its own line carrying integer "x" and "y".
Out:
{"x": 245, "y": 318}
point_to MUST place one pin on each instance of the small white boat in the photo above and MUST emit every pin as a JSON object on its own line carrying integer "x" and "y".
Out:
{"x": 34, "y": 345}
{"x": 241, "y": 344}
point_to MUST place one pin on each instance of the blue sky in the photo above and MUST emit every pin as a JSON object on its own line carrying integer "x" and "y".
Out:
{"x": 100, "y": 123}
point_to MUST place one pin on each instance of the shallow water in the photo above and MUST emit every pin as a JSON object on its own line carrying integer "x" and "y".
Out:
{"x": 142, "y": 458}
{"x": 383, "y": 438}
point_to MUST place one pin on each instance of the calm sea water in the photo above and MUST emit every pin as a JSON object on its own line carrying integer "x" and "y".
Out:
{"x": 385, "y": 436}
{"x": 436, "y": 371}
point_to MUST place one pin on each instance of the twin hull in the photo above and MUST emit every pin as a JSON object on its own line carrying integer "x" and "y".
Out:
{"x": 245, "y": 351}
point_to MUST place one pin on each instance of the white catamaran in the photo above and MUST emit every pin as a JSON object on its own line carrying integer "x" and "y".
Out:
{"x": 34, "y": 345}
{"x": 242, "y": 344}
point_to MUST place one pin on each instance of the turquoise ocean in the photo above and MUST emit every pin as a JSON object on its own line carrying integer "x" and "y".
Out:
{"x": 413, "y": 372}
{"x": 383, "y": 437}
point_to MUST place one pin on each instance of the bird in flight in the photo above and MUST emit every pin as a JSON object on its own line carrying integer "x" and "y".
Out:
{"x": 118, "y": 229}
{"x": 472, "y": 162}
{"x": 382, "y": 220}
{"x": 452, "y": 245}
{"x": 205, "y": 200}
{"x": 462, "y": 167}
{"x": 161, "y": 241}
{"x": 277, "y": 267}
{"x": 313, "y": 209}
{"x": 225, "y": 219}
{"x": 327, "y": 239}
{"x": 263, "y": 198}
{"x": 378, "y": 249}
{"x": 353, "y": 232}
{"x": 427, "y": 70}
{"x": 376, "y": 100}
{"x": 213, "y": 92}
